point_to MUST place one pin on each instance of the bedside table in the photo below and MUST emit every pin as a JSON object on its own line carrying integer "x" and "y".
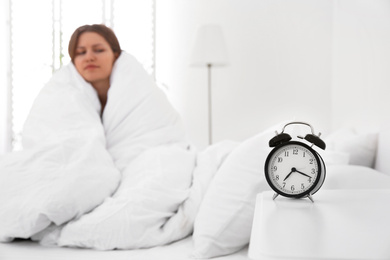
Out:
{"x": 340, "y": 224}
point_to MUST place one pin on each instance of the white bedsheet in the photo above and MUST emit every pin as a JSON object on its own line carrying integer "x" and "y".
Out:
{"x": 181, "y": 250}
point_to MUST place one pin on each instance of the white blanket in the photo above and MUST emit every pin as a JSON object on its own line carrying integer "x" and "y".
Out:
{"x": 121, "y": 181}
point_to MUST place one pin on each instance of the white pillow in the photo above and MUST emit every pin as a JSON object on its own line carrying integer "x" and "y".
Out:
{"x": 360, "y": 147}
{"x": 224, "y": 221}
{"x": 382, "y": 162}
{"x": 335, "y": 157}
{"x": 354, "y": 177}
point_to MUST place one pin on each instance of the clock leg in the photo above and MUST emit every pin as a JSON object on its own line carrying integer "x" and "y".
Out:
{"x": 310, "y": 198}
{"x": 275, "y": 195}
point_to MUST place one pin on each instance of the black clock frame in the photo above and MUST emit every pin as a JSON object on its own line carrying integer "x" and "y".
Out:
{"x": 320, "y": 176}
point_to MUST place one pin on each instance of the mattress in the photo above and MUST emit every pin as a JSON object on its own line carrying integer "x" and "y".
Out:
{"x": 180, "y": 250}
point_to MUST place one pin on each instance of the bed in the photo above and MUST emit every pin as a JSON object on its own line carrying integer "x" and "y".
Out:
{"x": 350, "y": 153}
{"x": 134, "y": 187}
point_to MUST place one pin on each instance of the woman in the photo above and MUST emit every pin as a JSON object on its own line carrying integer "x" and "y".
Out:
{"x": 93, "y": 50}
{"x": 75, "y": 157}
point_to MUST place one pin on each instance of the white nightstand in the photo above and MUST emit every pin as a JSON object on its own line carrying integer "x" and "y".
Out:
{"x": 340, "y": 224}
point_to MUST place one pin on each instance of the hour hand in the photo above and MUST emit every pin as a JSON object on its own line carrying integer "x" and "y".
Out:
{"x": 288, "y": 175}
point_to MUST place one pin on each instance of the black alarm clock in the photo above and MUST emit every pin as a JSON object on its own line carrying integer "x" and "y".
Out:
{"x": 293, "y": 168}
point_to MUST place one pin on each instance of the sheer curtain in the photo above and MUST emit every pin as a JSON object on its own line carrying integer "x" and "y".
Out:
{"x": 39, "y": 35}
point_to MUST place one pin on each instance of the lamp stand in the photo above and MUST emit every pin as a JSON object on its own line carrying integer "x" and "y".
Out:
{"x": 210, "y": 50}
{"x": 210, "y": 104}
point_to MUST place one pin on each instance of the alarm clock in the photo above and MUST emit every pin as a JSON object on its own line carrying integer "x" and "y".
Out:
{"x": 293, "y": 168}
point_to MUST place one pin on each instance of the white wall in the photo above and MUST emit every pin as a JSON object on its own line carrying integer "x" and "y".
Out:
{"x": 361, "y": 64}
{"x": 280, "y": 64}
{"x": 324, "y": 62}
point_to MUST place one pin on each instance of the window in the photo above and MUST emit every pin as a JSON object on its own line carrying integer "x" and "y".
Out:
{"x": 41, "y": 29}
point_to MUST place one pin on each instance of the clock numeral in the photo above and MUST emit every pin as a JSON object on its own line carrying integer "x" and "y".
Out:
{"x": 295, "y": 151}
{"x": 280, "y": 159}
{"x": 310, "y": 180}
{"x": 286, "y": 153}
{"x": 311, "y": 161}
{"x": 304, "y": 154}
{"x": 313, "y": 171}
{"x": 292, "y": 187}
{"x": 275, "y": 168}
{"x": 284, "y": 184}
{"x": 302, "y": 186}
{"x": 277, "y": 177}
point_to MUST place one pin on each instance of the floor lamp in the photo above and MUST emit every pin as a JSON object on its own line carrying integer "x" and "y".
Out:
{"x": 209, "y": 51}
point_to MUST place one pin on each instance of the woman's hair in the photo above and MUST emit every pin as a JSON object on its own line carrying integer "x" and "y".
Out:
{"x": 102, "y": 30}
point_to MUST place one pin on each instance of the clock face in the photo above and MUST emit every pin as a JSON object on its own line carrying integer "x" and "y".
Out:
{"x": 293, "y": 169}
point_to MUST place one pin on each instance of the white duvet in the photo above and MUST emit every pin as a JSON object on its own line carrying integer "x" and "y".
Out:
{"x": 124, "y": 180}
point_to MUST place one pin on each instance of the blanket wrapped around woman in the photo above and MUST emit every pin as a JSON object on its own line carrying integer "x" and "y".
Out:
{"x": 120, "y": 180}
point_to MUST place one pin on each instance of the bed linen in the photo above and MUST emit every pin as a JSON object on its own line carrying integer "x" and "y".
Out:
{"x": 340, "y": 177}
{"x": 131, "y": 180}
{"x": 116, "y": 181}
{"x": 180, "y": 250}
{"x": 128, "y": 180}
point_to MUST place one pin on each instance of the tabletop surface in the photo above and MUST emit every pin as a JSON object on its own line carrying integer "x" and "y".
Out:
{"x": 340, "y": 224}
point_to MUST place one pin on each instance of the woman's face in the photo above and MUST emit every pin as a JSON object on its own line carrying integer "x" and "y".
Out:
{"x": 94, "y": 59}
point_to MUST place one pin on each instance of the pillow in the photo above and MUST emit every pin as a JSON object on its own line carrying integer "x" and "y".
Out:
{"x": 224, "y": 221}
{"x": 382, "y": 162}
{"x": 335, "y": 157}
{"x": 361, "y": 147}
{"x": 352, "y": 177}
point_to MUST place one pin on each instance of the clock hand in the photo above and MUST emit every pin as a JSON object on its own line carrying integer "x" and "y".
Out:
{"x": 288, "y": 175}
{"x": 303, "y": 174}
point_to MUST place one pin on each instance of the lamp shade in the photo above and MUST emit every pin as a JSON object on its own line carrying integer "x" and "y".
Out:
{"x": 209, "y": 47}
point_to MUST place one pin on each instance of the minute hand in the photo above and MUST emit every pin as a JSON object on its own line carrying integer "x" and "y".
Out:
{"x": 304, "y": 174}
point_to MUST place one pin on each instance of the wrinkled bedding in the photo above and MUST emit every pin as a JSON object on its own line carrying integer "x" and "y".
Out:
{"x": 122, "y": 180}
